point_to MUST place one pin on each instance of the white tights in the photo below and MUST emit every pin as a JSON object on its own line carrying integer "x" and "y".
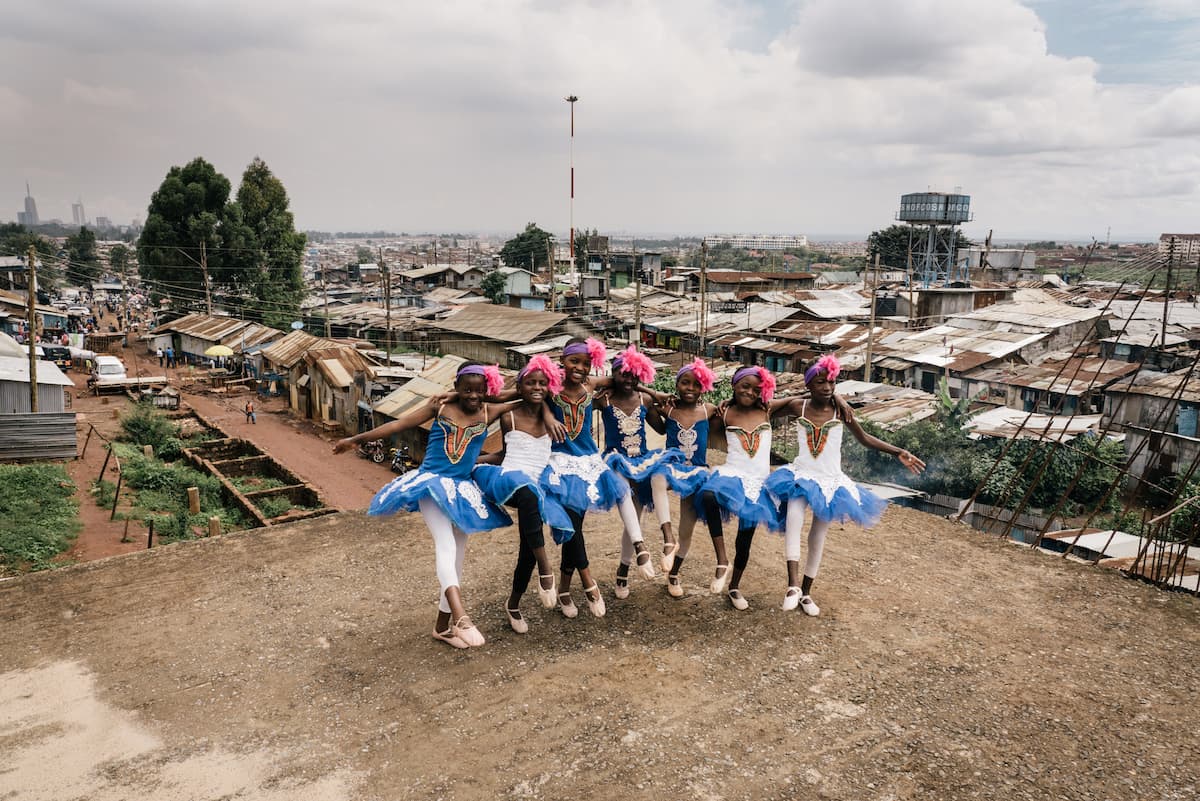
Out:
{"x": 632, "y": 531}
{"x": 449, "y": 548}
{"x": 791, "y": 537}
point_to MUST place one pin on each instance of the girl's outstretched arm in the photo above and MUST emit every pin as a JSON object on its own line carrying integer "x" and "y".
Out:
{"x": 914, "y": 464}
{"x": 410, "y": 420}
{"x": 784, "y": 406}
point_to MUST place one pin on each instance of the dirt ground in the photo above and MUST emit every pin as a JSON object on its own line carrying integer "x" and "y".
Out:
{"x": 296, "y": 663}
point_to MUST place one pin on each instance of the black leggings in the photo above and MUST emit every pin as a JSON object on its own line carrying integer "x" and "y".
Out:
{"x": 712, "y": 514}
{"x": 529, "y": 524}
{"x": 741, "y": 552}
{"x": 574, "y": 550}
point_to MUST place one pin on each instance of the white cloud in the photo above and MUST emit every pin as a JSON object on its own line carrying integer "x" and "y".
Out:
{"x": 413, "y": 115}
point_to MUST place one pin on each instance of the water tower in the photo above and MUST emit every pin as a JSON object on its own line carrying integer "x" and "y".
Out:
{"x": 934, "y": 217}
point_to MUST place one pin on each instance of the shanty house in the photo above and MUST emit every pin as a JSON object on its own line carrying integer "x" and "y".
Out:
{"x": 483, "y": 332}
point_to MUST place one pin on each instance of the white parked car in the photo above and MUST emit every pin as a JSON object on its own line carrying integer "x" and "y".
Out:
{"x": 80, "y": 310}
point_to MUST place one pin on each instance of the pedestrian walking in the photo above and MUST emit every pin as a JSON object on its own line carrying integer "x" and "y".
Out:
{"x": 250, "y": 416}
{"x": 159, "y": 353}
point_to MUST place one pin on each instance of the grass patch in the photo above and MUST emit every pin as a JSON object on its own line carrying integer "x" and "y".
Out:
{"x": 105, "y": 493}
{"x": 39, "y": 516}
{"x": 256, "y": 483}
{"x": 157, "y": 491}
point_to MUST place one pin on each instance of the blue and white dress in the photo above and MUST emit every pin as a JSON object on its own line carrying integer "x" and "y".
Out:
{"x": 578, "y": 477}
{"x": 740, "y": 484}
{"x": 626, "y": 453}
{"x": 445, "y": 476}
{"x": 526, "y": 463}
{"x": 816, "y": 476}
{"x": 692, "y": 441}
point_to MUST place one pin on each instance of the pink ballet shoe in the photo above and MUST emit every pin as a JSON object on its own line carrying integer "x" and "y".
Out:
{"x": 465, "y": 630}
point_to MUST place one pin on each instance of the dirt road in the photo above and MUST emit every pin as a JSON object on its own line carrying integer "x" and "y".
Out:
{"x": 296, "y": 663}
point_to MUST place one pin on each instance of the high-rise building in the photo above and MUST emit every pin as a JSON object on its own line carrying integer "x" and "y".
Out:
{"x": 77, "y": 214}
{"x": 29, "y": 217}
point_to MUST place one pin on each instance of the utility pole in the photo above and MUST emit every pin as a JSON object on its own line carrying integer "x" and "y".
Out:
{"x": 31, "y": 325}
{"x": 386, "y": 274}
{"x": 608, "y": 277}
{"x": 637, "y": 297}
{"x": 572, "y": 100}
{"x": 550, "y": 259}
{"x": 871, "y": 325}
{"x": 204, "y": 272}
{"x": 703, "y": 296}
{"x": 1167, "y": 294}
{"x": 325, "y": 292}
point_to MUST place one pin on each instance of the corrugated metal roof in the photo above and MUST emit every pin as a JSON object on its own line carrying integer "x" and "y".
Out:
{"x": 291, "y": 349}
{"x": 38, "y": 437}
{"x": 339, "y": 363}
{"x": 500, "y": 323}
{"x": 887, "y": 405}
{"x": 1044, "y": 316}
{"x": 16, "y": 368}
{"x": 221, "y": 330}
{"x": 438, "y": 377}
{"x": 1003, "y": 422}
{"x": 948, "y": 345}
{"x": 334, "y": 372}
{"x": 1165, "y": 386}
{"x": 1077, "y": 377}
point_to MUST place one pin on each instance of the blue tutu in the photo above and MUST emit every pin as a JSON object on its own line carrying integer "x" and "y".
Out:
{"x": 840, "y": 499}
{"x": 668, "y": 463}
{"x": 460, "y": 498}
{"x": 745, "y": 498}
{"x": 583, "y": 483}
{"x": 499, "y": 485}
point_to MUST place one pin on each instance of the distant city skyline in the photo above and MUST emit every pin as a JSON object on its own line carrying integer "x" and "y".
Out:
{"x": 1061, "y": 118}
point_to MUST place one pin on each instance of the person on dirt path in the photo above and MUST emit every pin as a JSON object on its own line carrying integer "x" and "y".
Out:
{"x": 442, "y": 489}
{"x": 159, "y": 353}
{"x": 250, "y": 416}
{"x": 814, "y": 480}
{"x": 513, "y": 477}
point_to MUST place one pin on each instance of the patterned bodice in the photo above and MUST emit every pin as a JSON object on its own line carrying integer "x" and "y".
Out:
{"x": 576, "y": 415}
{"x": 624, "y": 433}
{"x": 749, "y": 451}
{"x": 692, "y": 440}
{"x": 452, "y": 450}
{"x": 820, "y": 452}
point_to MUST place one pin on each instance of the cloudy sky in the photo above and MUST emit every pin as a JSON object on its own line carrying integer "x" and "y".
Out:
{"x": 1060, "y": 118}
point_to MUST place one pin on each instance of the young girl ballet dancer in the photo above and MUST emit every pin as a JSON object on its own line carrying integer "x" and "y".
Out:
{"x": 624, "y": 413}
{"x": 815, "y": 480}
{"x": 578, "y": 477}
{"x": 686, "y": 426}
{"x": 441, "y": 488}
{"x": 516, "y": 481}
{"x": 737, "y": 488}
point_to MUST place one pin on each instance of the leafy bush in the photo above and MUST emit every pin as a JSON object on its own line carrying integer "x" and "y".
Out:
{"x": 256, "y": 483}
{"x": 145, "y": 425}
{"x": 38, "y": 515}
{"x": 273, "y": 506}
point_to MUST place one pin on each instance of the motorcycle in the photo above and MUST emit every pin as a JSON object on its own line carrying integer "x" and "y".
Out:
{"x": 402, "y": 460}
{"x": 372, "y": 450}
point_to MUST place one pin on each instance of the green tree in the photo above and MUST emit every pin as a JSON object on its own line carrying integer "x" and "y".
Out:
{"x": 188, "y": 210}
{"x": 892, "y": 245}
{"x": 363, "y": 255}
{"x": 118, "y": 258}
{"x": 493, "y": 285}
{"x": 83, "y": 260}
{"x": 266, "y": 251}
{"x": 529, "y": 249}
{"x": 15, "y": 240}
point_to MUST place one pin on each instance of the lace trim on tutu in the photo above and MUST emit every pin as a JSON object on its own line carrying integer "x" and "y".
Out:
{"x": 583, "y": 483}
{"x": 742, "y": 497}
{"x": 831, "y": 499}
{"x": 460, "y": 498}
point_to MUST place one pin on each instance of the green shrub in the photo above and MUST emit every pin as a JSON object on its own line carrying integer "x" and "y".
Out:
{"x": 38, "y": 515}
{"x": 256, "y": 483}
{"x": 273, "y": 506}
{"x": 145, "y": 425}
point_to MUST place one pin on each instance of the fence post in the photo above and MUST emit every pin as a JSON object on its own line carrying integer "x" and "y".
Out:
{"x": 193, "y": 499}
{"x": 150, "y": 534}
{"x": 214, "y": 526}
{"x": 104, "y": 467}
{"x": 91, "y": 428}
{"x": 116, "y": 495}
